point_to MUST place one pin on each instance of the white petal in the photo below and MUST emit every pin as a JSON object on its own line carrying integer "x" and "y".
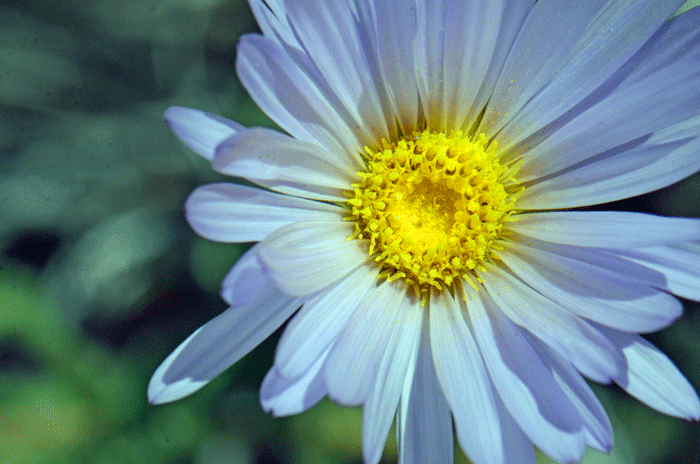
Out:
{"x": 395, "y": 27}
{"x": 271, "y": 16}
{"x": 527, "y": 388}
{"x": 680, "y": 264}
{"x": 236, "y": 213}
{"x": 319, "y": 322}
{"x": 380, "y": 408}
{"x": 601, "y": 294}
{"x": 283, "y": 397}
{"x": 244, "y": 282}
{"x": 572, "y": 337}
{"x": 599, "y": 433}
{"x": 465, "y": 382}
{"x": 660, "y": 86}
{"x": 606, "y": 229}
{"x": 332, "y": 35}
{"x": 199, "y": 130}
{"x": 281, "y": 163}
{"x": 547, "y": 35}
{"x": 219, "y": 343}
{"x": 517, "y": 447}
{"x": 664, "y": 158}
{"x": 455, "y": 42}
{"x": 598, "y": 54}
{"x": 514, "y": 15}
{"x": 307, "y": 256}
{"x": 298, "y": 102}
{"x": 653, "y": 379}
{"x": 423, "y": 423}
{"x": 356, "y": 354}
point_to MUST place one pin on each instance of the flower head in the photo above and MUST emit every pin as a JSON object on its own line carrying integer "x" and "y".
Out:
{"x": 420, "y": 214}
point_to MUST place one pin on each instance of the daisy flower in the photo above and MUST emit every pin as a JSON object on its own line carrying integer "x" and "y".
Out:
{"x": 420, "y": 221}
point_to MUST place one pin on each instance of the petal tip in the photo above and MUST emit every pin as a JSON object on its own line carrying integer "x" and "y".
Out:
{"x": 159, "y": 392}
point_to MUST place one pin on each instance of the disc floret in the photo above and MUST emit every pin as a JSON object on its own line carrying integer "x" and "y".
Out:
{"x": 433, "y": 207}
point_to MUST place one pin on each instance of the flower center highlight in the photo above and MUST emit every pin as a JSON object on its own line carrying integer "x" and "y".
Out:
{"x": 433, "y": 207}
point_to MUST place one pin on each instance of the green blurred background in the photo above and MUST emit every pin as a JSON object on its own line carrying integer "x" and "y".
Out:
{"x": 100, "y": 276}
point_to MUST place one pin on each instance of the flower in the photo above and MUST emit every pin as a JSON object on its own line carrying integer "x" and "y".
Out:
{"x": 420, "y": 215}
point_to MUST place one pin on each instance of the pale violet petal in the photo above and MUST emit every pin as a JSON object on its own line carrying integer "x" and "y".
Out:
{"x": 281, "y": 163}
{"x": 292, "y": 98}
{"x": 653, "y": 379}
{"x": 455, "y": 42}
{"x": 394, "y": 27}
{"x": 599, "y": 434}
{"x": 525, "y": 385}
{"x": 380, "y": 408}
{"x": 611, "y": 38}
{"x": 199, "y": 130}
{"x": 570, "y": 336}
{"x": 354, "y": 359}
{"x": 319, "y": 322}
{"x": 307, "y": 256}
{"x": 423, "y": 423}
{"x": 517, "y": 446}
{"x": 237, "y": 213}
{"x": 284, "y": 397}
{"x": 514, "y": 15}
{"x": 680, "y": 264}
{"x": 465, "y": 382}
{"x": 661, "y": 159}
{"x": 331, "y": 34}
{"x": 160, "y": 392}
{"x": 244, "y": 282}
{"x": 600, "y": 294}
{"x": 271, "y": 16}
{"x": 606, "y": 229}
{"x": 660, "y": 86}
{"x": 218, "y": 344}
{"x": 549, "y": 32}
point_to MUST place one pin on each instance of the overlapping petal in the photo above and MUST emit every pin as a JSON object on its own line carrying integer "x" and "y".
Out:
{"x": 525, "y": 385}
{"x": 246, "y": 279}
{"x": 454, "y": 45}
{"x": 622, "y": 297}
{"x": 285, "y": 165}
{"x": 394, "y": 25}
{"x": 321, "y": 319}
{"x": 649, "y": 163}
{"x": 613, "y": 35}
{"x": 305, "y": 257}
{"x": 283, "y": 396}
{"x": 570, "y": 336}
{"x": 599, "y": 434}
{"x": 606, "y": 229}
{"x": 358, "y": 350}
{"x": 679, "y": 264}
{"x": 535, "y": 58}
{"x": 653, "y": 379}
{"x": 380, "y": 408}
{"x": 465, "y": 382}
{"x": 218, "y": 344}
{"x": 423, "y": 423}
{"x": 296, "y": 100}
{"x": 199, "y": 130}
{"x": 236, "y": 213}
{"x": 332, "y": 36}
{"x": 659, "y": 86}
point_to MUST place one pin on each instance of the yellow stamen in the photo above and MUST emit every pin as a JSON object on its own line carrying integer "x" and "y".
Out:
{"x": 432, "y": 207}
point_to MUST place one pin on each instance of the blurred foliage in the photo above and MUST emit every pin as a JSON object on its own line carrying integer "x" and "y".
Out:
{"x": 100, "y": 277}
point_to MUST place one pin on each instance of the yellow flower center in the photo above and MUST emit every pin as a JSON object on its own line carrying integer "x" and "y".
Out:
{"x": 433, "y": 207}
